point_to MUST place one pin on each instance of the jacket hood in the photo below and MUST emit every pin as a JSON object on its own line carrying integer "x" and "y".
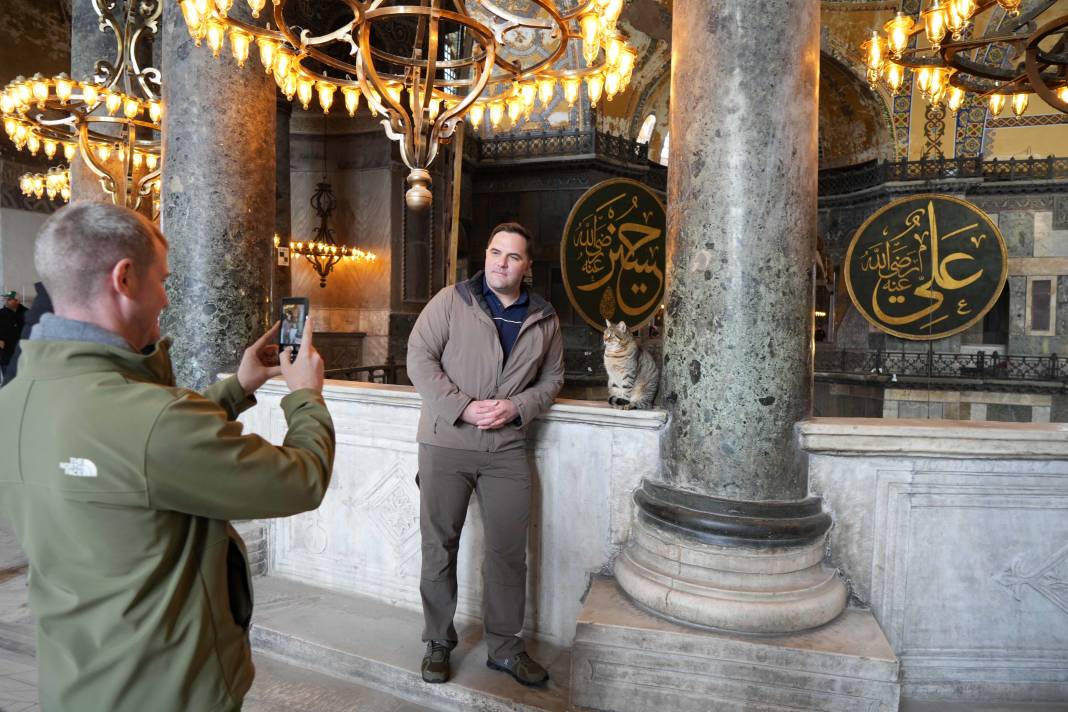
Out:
{"x": 471, "y": 292}
{"x": 55, "y": 359}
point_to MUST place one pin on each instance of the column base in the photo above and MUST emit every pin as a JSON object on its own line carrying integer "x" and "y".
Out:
{"x": 625, "y": 660}
{"x": 750, "y": 567}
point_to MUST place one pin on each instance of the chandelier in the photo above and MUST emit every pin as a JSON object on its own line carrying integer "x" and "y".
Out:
{"x": 949, "y": 62}
{"x": 55, "y": 183}
{"x": 454, "y": 61}
{"x": 324, "y": 252}
{"x": 112, "y": 119}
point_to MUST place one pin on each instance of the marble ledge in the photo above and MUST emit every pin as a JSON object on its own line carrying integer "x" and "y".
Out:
{"x": 960, "y": 439}
{"x": 563, "y": 410}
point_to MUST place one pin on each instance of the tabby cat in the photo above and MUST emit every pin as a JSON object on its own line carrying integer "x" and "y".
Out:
{"x": 632, "y": 373}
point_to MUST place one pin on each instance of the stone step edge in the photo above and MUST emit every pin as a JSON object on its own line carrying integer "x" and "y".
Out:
{"x": 381, "y": 676}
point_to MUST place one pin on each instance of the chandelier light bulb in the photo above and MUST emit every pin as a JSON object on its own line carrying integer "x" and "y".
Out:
{"x": 433, "y": 109}
{"x": 955, "y": 22}
{"x": 10, "y": 126}
{"x": 515, "y": 109}
{"x": 289, "y": 86}
{"x": 571, "y": 86}
{"x": 352, "y": 99}
{"x": 626, "y": 62}
{"x": 936, "y": 85}
{"x": 194, "y": 20}
{"x": 897, "y": 33}
{"x": 611, "y": 84}
{"x": 7, "y": 103}
{"x": 475, "y": 113}
{"x": 326, "y": 95}
{"x": 256, "y": 6}
{"x": 528, "y": 91}
{"x": 39, "y": 86}
{"x": 934, "y": 21}
{"x": 594, "y": 87}
{"x": 954, "y": 98}
{"x": 1062, "y": 94}
{"x": 137, "y": 159}
{"x": 496, "y": 112}
{"x": 1010, "y": 6}
{"x": 1019, "y": 103}
{"x": 304, "y": 91}
{"x": 112, "y": 102}
{"x": 21, "y": 136}
{"x": 614, "y": 50}
{"x": 923, "y": 79}
{"x": 103, "y": 152}
{"x": 64, "y": 88}
{"x": 591, "y": 30}
{"x": 873, "y": 51}
{"x": 546, "y": 89}
{"x": 268, "y": 49}
{"x": 283, "y": 62}
{"x": 50, "y": 147}
{"x": 216, "y": 34}
{"x": 997, "y": 103}
{"x": 394, "y": 92}
{"x": 151, "y": 161}
{"x": 239, "y": 44}
{"x": 223, "y": 6}
{"x": 965, "y": 8}
{"x": 69, "y": 150}
{"x": 611, "y": 14}
{"x": 155, "y": 111}
{"x": 90, "y": 95}
{"x": 25, "y": 93}
{"x": 131, "y": 107}
{"x": 895, "y": 76}
{"x": 33, "y": 143}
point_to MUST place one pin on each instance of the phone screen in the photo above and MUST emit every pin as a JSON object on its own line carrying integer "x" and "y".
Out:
{"x": 294, "y": 313}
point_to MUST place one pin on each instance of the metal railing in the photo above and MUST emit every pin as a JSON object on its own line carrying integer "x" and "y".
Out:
{"x": 382, "y": 373}
{"x": 929, "y": 364}
{"x": 839, "y": 181}
{"x": 553, "y": 144}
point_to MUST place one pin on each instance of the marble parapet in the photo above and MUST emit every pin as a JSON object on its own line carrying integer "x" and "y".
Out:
{"x": 955, "y": 533}
{"x": 587, "y": 460}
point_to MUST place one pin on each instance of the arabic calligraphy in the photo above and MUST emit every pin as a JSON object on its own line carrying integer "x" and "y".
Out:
{"x": 916, "y": 268}
{"x": 613, "y": 253}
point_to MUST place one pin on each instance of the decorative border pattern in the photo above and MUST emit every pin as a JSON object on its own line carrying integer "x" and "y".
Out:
{"x": 1014, "y": 122}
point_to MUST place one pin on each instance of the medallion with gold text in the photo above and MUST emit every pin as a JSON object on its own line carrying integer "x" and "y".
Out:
{"x": 613, "y": 253}
{"x": 926, "y": 267}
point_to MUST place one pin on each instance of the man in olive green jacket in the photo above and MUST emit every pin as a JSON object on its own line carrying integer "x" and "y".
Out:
{"x": 120, "y": 485}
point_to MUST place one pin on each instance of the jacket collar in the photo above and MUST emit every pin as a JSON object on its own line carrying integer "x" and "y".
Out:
{"x": 54, "y": 359}
{"x": 471, "y": 292}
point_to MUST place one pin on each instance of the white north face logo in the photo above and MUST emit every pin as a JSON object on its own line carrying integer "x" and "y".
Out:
{"x": 78, "y": 467}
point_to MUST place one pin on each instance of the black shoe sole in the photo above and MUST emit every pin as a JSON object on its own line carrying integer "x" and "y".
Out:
{"x": 494, "y": 666}
{"x": 435, "y": 682}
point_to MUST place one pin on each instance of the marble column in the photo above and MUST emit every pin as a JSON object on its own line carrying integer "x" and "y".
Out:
{"x": 281, "y": 276}
{"x": 88, "y": 45}
{"x": 730, "y": 538}
{"x": 218, "y": 202}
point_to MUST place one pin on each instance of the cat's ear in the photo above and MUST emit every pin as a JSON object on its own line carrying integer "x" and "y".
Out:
{"x": 607, "y": 323}
{"x": 622, "y": 326}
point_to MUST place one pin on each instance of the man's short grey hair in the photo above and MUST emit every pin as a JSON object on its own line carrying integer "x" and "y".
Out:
{"x": 80, "y": 244}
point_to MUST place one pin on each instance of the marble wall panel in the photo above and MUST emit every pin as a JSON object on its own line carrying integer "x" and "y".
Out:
{"x": 1018, "y": 229}
{"x": 587, "y": 460}
{"x": 963, "y": 560}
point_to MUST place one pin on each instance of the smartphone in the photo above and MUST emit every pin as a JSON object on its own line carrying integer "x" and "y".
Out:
{"x": 293, "y": 314}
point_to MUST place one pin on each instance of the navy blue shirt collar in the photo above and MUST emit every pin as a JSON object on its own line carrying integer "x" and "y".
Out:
{"x": 524, "y": 298}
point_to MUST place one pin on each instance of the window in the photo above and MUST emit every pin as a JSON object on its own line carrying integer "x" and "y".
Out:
{"x": 1041, "y": 312}
{"x": 664, "y": 150}
{"x": 646, "y": 131}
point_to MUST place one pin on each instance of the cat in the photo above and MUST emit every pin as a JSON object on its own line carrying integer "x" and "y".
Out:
{"x": 633, "y": 376}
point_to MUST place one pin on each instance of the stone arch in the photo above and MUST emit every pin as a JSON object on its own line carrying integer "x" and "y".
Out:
{"x": 850, "y": 71}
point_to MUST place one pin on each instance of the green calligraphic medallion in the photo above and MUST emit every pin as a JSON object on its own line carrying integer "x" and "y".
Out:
{"x": 926, "y": 267}
{"x": 613, "y": 253}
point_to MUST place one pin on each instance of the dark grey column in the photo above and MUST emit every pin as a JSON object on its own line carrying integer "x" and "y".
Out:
{"x": 88, "y": 45}
{"x": 729, "y": 538}
{"x": 218, "y": 203}
{"x": 281, "y": 277}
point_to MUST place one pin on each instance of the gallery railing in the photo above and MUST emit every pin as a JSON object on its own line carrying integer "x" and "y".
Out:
{"x": 929, "y": 364}
{"x": 839, "y": 181}
{"x": 388, "y": 372}
{"x": 553, "y": 144}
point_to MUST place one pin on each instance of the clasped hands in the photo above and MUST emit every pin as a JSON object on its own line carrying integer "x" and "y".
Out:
{"x": 490, "y": 414}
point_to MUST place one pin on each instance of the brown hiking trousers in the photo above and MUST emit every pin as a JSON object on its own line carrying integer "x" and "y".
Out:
{"x": 502, "y": 482}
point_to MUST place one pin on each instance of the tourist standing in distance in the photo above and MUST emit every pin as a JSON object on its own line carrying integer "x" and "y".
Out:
{"x": 123, "y": 483}
{"x": 487, "y": 357}
{"x": 42, "y": 304}
{"x": 12, "y": 319}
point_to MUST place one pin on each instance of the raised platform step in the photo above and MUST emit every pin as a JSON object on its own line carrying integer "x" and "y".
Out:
{"x": 378, "y": 645}
{"x": 628, "y": 660}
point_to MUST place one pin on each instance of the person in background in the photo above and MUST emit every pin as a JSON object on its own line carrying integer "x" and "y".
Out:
{"x": 42, "y": 304}
{"x": 12, "y": 318}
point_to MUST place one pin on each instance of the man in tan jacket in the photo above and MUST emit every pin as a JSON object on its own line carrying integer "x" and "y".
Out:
{"x": 486, "y": 355}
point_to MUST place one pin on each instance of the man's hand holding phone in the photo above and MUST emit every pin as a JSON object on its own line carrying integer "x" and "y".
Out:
{"x": 306, "y": 369}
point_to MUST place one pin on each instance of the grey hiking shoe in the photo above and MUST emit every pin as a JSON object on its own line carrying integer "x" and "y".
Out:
{"x": 522, "y": 667}
{"x": 436, "y": 661}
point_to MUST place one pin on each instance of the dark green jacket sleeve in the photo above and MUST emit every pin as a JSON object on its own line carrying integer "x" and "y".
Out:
{"x": 230, "y": 396}
{"x": 198, "y": 461}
